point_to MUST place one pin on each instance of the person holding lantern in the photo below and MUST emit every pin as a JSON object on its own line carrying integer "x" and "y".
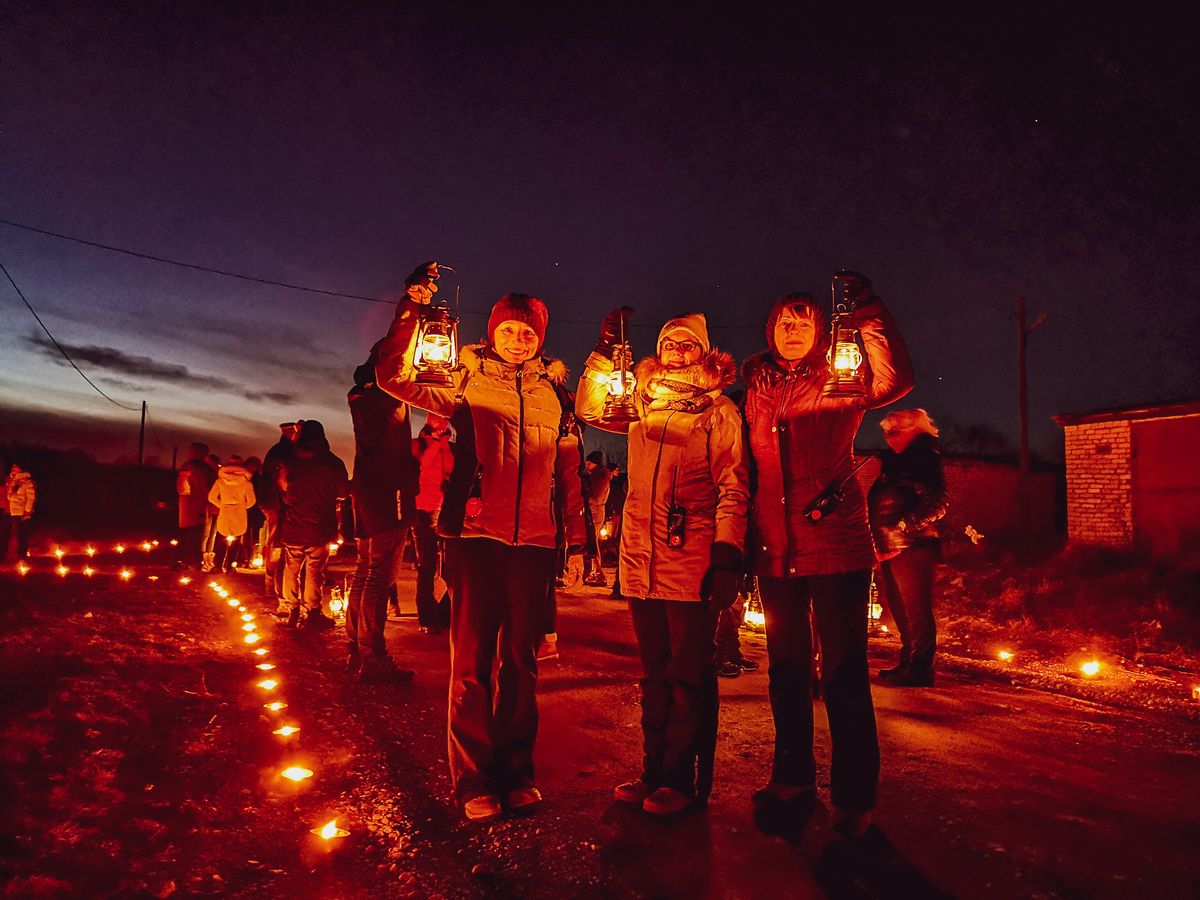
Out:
{"x": 513, "y": 450}
{"x": 906, "y": 501}
{"x": 681, "y": 539}
{"x": 809, "y": 538}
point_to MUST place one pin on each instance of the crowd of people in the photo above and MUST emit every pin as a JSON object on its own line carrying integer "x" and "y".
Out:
{"x": 503, "y": 507}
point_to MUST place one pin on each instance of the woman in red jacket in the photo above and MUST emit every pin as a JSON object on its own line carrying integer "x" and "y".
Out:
{"x": 801, "y": 441}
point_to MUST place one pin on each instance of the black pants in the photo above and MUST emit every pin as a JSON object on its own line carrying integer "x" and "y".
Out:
{"x": 432, "y": 612}
{"x": 679, "y": 693}
{"x": 191, "y": 550}
{"x": 908, "y": 588}
{"x": 497, "y": 613}
{"x": 839, "y": 604}
{"x": 14, "y": 530}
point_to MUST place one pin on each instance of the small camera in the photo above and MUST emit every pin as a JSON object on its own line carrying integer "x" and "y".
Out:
{"x": 676, "y": 526}
{"x": 822, "y": 506}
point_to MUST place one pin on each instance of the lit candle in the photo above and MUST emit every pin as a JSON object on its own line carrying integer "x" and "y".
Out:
{"x": 232, "y": 602}
{"x": 246, "y": 617}
{"x": 265, "y": 667}
{"x": 62, "y": 570}
{"x": 275, "y": 707}
{"x": 268, "y": 684}
{"x": 286, "y": 730}
{"x": 261, "y": 651}
{"x": 90, "y": 551}
{"x": 252, "y": 638}
{"x": 120, "y": 548}
{"x": 174, "y": 543}
{"x": 1090, "y": 668}
{"x": 89, "y": 571}
{"x": 22, "y": 568}
{"x": 126, "y": 574}
{"x": 296, "y": 773}
{"x": 1005, "y": 655}
{"x": 183, "y": 579}
{"x": 147, "y": 546}
{"x": 330, "y": 830}
{"x": 249, "y": 626}
{"x": 58, "y": 552}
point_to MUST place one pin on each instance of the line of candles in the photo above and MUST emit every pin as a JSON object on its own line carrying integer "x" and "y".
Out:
{"x": 329, "y": 831}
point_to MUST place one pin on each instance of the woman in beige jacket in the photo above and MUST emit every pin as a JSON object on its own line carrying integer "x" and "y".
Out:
{"x": 681, "y": 544}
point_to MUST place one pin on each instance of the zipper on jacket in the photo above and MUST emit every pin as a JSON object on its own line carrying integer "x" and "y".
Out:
{"x": 520, "y": 457}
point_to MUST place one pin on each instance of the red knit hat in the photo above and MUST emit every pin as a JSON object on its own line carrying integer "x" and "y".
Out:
{"x": 520, "y": 308}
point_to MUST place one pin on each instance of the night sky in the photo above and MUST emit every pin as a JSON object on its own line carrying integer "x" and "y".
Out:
{"x": 667, "y": 160}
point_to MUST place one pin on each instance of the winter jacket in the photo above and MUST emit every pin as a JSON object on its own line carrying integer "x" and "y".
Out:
{"x": 801, "y": 441}
{"x": 510, "y": 455}
{"x": 232, "y": 494}
{"x": 435, "y": 455}
{"x": 686, "y": 453}
{"x": 21, "y": 493}
{"x": 909, "y": 497}
{"x": 310, "y": 487}
{"x": 192, "y": 483}
{"x": 384, "y": 487}
{"x": 267, "y": 483}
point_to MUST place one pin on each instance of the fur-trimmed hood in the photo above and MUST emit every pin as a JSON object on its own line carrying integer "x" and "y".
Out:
{"x": 472, "y": 358}
{"x": 716, "y": 369}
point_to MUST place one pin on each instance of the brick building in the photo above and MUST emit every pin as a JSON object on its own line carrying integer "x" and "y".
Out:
{"x": 1133, "y": 477}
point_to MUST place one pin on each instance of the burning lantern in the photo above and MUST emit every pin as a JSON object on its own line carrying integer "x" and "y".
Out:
{"x": 847, "y": 377}
{"x": 436, "y": 354}
{"x": 257, "y": 562}
{"x": 619, "y": 404}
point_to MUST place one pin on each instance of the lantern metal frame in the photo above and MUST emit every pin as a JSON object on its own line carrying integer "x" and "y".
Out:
{"x": 436, "y": 321}
{"x": 845, "y": 357}
{"x": 619, "y": 404}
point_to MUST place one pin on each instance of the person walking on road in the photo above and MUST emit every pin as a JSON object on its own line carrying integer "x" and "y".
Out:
{"x": 310, "y": 485}
{"x": 681, "y": 544}
{"x": 498, "y": 518}
{"x": 801, "y": 442}
{"x": 906, "y": 502}
{"x": 384, "y": 489}
{"x": 193, "y": 481}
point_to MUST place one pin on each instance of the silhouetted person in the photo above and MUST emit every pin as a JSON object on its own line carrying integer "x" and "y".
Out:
{"x": 193, "y": 481}
{"x": 266, "y": 489}
{"x": 435, "y": 455}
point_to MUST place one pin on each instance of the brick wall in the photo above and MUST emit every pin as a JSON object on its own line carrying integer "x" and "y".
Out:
{"x": 1099, "y": 483}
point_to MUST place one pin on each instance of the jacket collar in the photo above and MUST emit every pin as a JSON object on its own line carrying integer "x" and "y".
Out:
{"x": 476, "y": 358}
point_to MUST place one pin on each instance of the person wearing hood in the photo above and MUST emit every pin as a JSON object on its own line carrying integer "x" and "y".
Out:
{"x": 20, "y": 497}
{"x": 384, "y": 489}
{"x": 801, "y": 442}
{"x": 906, "y": 502}
{"x": 193, "y": 481}
{"x": 233, "y": 495}
{"x": 267, "y": 491}
{"x": 681, "y": 544}
{"x": 310, "y": 485}
{"x": 499, "y": 519}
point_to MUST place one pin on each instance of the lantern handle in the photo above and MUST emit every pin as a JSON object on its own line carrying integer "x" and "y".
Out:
{"x": 457, "y": 288}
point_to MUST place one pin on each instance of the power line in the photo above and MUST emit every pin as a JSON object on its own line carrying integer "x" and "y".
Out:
{"x": 54, "y": 341}
{"x": 138, "y": 254}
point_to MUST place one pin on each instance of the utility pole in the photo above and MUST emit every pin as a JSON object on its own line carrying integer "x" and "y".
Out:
{"x": 1023, "y": 332}
{"x": 142, "y": 436}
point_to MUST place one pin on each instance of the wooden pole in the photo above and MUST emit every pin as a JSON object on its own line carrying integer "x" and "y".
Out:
{"x": 142, "y": 436}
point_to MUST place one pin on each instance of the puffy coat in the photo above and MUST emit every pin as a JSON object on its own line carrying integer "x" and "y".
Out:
{"x": 193, "y": 482}
{"x": 435, "y": 455}
{"x": 232, "y": 494}
{"x": 909, "y": 497}
{"x": 687, "y": 452}
{"x": 801, "y": 440}
{"x": 510, "y": 453}
{"x": 384, "y": 486}
{"x": 20, "y": 493}
{"x": 310, "y": 486}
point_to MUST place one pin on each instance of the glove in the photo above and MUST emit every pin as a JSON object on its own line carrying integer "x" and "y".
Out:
{"x": 719, "y": 586}
{"x": 421, "y": 284}
{"x": 615, "y": 324}
{"x": 856, "y": 288}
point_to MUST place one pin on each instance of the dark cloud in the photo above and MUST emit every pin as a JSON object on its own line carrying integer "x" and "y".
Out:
{"x": 111, "y": 359}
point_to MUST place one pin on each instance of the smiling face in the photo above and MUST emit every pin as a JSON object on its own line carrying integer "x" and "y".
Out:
{"x": 679, "y": 348}
{"x": 795, "y": 334}
{"x": 515, "y": 342}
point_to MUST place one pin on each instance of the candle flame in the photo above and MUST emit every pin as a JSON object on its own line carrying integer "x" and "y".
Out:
{"x": 147, "y": 546}
{"x": 183, "y": 579}
{"x": 1090, "y": 668}
{"x": 268, "y": 684}
{"x": 22, "y": 568}
{"x": 1005, "y": 655}
{"x": 286, "y": 730}
{"x": 58, "y": 552}
{"x": 296, "y": 773}
{"x": 89, "y": 571}
{"x": 126, "y": 574}
{"x": 265, "y": 667}
{"x": 261, "y": 651}
{"x": 90, "y": 551}
{"x": 252, "y": 638}
{"x": 330, "y": 830}
{"x": 174, "y": 542}
{"x": 231, "y": 602}
{"x": 275, "y": 707}
{"x": 62, "y": 570}
{"x": 246, "y": 617}
{"x": 120, "y": 548}
{"x": 249, "y": 626}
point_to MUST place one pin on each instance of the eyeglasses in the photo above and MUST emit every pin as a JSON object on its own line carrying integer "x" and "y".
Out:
{"x": 681, "y": 346}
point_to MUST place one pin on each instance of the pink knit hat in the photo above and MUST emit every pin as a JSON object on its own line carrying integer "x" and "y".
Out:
{"x": 520, "y": 308}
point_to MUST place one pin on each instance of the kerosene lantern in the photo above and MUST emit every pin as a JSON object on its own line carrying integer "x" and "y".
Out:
{"x": 619, "y": 405}
{"x": 436, "y": 354}
{"x": 847, "y": 375}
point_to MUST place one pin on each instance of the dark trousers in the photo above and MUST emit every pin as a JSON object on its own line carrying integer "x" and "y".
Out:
{"x": 908, "y": 588}
{"x": 497, "y": 615}
{"x": 273, "y": 563}
{"x": 729, "y": 642}
{"x": 366, "y": 607}
{"x": 432, "y": 612}
{"x": 191, "y": 549}
{"x": 679, "y": 693}
{"x": 227, "y": 552}
{"x": 839, "y": 604}
{"x": 14, "y": 530}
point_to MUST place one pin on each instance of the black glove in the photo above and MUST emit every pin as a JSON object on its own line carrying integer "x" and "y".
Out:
{"x": 856, "y": 288}
{"x": 613, "y": 330}
{"x": 719, "y": 586}
{"x": 427, "y": 271}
